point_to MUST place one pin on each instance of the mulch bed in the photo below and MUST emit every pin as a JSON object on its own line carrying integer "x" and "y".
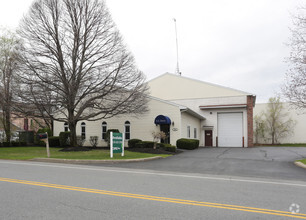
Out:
{"x": 141, "y": 150}
{"x": 150, "y": 151}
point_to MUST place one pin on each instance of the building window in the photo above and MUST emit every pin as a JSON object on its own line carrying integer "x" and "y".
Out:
{"x": 66, "y": 127}
{"x": 188, "y": 131}
{"x": 83, "y": 130}
{"x": 104, "y": 130}
{"x": 195, "y": 133}
{"x": 127, "y": 130}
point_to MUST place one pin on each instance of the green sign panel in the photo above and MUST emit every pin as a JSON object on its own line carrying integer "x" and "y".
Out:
{"x": 117, "y": 142}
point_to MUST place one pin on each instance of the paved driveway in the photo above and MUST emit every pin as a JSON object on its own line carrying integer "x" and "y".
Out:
{"x": 266, "y": 162}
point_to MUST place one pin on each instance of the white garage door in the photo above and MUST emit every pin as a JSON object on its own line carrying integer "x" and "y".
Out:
{"x": 230, "y": 129}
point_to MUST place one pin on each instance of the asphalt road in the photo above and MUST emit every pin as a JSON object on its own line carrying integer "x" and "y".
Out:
{"x": 258, "y": 162}
{"x": 33, "y": 190}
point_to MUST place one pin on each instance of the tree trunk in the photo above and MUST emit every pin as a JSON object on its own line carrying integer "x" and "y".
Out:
{"x": 8, "y": 125}
{"x": 73, "y": 139}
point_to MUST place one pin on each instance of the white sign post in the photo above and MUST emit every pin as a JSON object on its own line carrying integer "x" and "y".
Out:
{"x": 111, "y": 144}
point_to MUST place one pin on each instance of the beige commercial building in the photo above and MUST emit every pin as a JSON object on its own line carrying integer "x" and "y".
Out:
{"x": 184, "y": 108}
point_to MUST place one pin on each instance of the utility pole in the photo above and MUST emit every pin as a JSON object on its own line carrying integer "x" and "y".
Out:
{"x": 177, "y": 70}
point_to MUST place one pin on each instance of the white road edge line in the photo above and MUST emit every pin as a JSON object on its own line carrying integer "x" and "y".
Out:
{"x": 119, "y": 170}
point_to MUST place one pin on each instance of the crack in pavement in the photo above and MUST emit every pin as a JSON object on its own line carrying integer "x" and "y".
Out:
{"x": 83, "y": 208}
{"x": 300, "y": 155}
{"x": 224, "y": 152}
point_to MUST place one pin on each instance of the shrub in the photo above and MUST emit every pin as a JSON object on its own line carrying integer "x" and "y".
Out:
{"x": 80, "y": 140}
{"x": 26, "y": 136}
{"x": 169, "y": 147}
{"x": 188, "y": 144}
{"x": 15, "y": 144}
{"x": 23, "y": 143}
{"x": 6, "y": 144}
{"x": 54, "y": 141}
{"x": 64, "y": 138}
{"x": 145, "y": 144}
{"x": 132, "y": 142}
{"x": 93, "y": 141}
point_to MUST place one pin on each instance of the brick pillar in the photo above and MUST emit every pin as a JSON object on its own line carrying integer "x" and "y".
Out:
{"x": 250, "y": 120}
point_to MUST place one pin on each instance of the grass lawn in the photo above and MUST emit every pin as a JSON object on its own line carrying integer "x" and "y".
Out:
{"x": 302, "y": 161}
{"x": 26, "y": 153}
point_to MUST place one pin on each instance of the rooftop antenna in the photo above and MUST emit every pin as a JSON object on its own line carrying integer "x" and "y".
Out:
{"x": 177, "y": 70}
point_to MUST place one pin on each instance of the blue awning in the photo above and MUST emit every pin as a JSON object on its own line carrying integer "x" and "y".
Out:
{"x": 162, "y": 120}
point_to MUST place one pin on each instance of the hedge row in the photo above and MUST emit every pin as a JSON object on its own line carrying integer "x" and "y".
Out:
{"x": 13, "y": 144}
{"x": 132, "y": 143}
{"x": 137, "y": 143}
{"x": 188, "y": 144}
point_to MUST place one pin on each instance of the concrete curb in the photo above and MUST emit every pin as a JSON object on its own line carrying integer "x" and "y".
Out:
{"x": 70, "y": 161}
{"x": 300, "y": 164}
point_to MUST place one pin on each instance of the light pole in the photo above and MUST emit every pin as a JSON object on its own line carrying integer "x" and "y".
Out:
{"x": 177, "y": 70}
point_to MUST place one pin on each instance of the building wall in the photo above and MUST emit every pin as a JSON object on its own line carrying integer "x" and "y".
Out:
{"x": 171, "y": 87}
{"x": 212, "y": 120}
{"x": 211, "y": 115}
{"x": 192, "y": 122}
{"x": 141, "y": 126}
{"x": 298, "y": 133}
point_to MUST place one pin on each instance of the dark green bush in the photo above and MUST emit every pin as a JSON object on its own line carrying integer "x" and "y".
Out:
{"x": 64, "y": 138}
{"x": 40, "y": 143}
{"x": 145, "y": 144}
{"x": 132, "y": 142}
{"x": 6, "y": 144}
{"x": 26, "y": 136}
{"x": 54, "y": 141}
{"x": 188, "y": 144}
{"x": 15, "y": 144}
{"x": 169, "y": 147}
{"x": 23, "y": 143}
{"x": 0, "y": 144}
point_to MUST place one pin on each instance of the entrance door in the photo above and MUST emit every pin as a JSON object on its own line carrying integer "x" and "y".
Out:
{"x": 166, "y": 130}
{"x": 208, "y": 138}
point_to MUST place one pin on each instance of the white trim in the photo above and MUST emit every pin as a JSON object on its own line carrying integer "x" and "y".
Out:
{"x": 223, "y": 106}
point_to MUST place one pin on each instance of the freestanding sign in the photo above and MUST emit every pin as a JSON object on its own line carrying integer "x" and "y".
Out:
{"x": 116, "y": 144}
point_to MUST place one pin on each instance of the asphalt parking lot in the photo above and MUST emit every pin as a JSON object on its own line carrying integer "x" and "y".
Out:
{"x": 261, "y": 162}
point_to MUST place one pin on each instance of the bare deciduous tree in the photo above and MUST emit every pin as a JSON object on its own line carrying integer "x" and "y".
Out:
{"x": 9, "y": 47}
{"x": 259, "y": 127}
{"x": 278, "y": 124}
{"x": 75, "y": 64}
{"x": 294, "y": 89}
